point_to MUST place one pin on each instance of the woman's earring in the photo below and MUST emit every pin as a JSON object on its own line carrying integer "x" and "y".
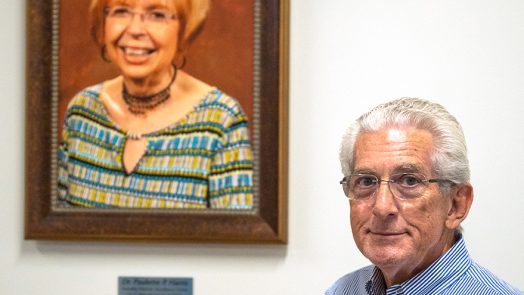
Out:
{"x": 103, "y": 54}
{"x": 182, "y": 64}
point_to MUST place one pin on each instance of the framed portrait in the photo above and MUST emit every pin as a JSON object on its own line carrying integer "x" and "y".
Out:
{"x": 242, "y": 50}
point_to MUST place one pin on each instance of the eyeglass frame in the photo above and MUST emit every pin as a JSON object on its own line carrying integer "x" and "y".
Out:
{"x": 392, "y": 179}
{"x": 143, "y": 15}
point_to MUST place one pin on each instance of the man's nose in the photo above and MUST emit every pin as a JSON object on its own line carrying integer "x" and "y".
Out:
{"x": 385, "y": 203}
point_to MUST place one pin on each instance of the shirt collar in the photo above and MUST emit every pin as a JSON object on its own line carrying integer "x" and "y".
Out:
{"x": 446, "y": 268}
{"x": 376, "y": 284}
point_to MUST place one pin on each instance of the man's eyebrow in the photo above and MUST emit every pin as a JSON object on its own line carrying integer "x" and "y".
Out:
{"x": 402, "y": 168}
{"x": 409, "y": 168}
{"x": 364, "y": 171}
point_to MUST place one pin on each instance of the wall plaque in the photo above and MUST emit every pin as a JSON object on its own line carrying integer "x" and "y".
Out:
{"x": 154, "y": 286}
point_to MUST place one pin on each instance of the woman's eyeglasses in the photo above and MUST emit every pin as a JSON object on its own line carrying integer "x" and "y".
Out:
{"x": 151, "y": 18}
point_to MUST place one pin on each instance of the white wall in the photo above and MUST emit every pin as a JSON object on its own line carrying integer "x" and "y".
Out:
{"x": 346, "y": 56}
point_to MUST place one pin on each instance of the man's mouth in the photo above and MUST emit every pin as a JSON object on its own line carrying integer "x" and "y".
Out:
{"x": 387, "y": 233}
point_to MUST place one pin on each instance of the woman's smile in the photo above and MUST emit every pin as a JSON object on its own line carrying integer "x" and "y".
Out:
{"x": 137, "y": 56}
{"x": 137, "y": 51}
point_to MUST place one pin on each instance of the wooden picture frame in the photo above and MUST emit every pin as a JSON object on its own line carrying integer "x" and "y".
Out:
{"x": 266, "y": 223}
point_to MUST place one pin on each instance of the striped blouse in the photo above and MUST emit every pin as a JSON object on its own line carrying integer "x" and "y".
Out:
{"x": 453, "y": 273}
{"x": 202, "y": 161}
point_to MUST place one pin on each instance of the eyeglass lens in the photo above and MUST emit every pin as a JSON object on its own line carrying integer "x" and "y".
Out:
{"x": 403, "y": 186}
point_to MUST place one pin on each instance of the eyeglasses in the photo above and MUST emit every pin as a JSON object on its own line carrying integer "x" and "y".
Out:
{"x": 404, "y": 186}
{"x": 152, "y": 18}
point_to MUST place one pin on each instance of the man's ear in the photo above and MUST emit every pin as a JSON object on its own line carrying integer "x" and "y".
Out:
{"x": 461, "y": 200}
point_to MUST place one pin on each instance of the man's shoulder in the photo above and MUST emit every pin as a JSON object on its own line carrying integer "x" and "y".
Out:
{"x": 479, "y": 280}
{"x": 352, "y": 283}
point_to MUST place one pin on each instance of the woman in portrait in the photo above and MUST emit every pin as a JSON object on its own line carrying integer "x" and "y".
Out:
{"x": 154, "y": 136}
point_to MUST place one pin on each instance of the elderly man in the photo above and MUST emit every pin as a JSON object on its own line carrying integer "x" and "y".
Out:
{"x": 406, "y": 175}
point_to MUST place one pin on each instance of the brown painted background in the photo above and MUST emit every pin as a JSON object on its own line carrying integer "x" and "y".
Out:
{"x": 221, "y": 56}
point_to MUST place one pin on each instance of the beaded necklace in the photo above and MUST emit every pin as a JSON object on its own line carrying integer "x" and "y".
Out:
{"x": 138, "y": 105}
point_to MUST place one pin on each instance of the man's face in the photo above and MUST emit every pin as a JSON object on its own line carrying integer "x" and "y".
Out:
{"x": 393, "y": 233}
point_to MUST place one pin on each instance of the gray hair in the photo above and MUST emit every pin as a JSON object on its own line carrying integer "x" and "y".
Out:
{"x": 449, "y": 158}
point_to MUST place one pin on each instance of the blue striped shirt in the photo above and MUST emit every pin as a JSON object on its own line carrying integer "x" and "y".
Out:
{"x": 453, "y": 273}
